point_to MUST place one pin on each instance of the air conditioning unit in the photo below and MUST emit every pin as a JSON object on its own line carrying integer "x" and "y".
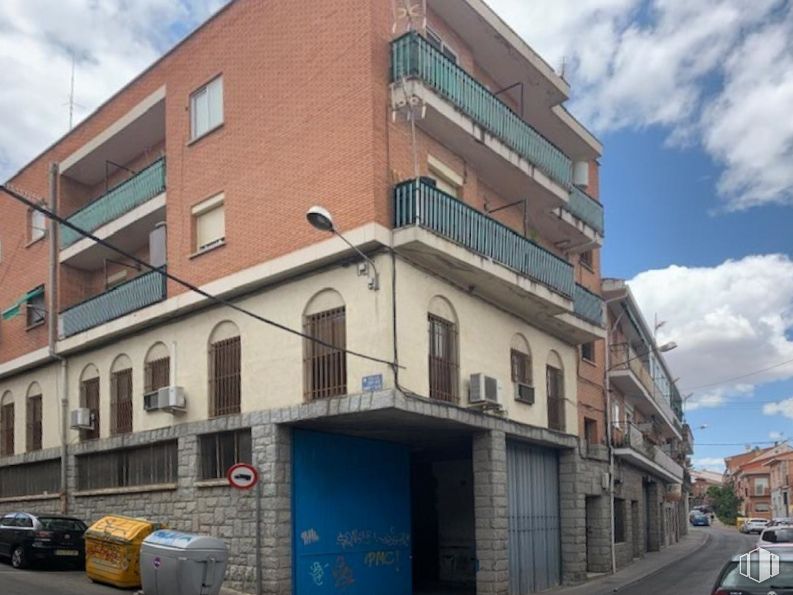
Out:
{"x": 484, "y": 389}
{"x": 168, "y": 398}
{"x": 524, "y": 393}
{"x": 81, "y": 419}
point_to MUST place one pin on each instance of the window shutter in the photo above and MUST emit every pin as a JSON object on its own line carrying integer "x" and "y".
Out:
{"x": 210, "y": 227}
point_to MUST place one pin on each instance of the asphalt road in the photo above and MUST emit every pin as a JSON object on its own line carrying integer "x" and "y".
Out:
{"x": 45, "y": 582}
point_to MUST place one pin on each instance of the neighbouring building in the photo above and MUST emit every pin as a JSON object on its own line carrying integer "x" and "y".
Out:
{"x": 649, "y": 438}
{"x": 750, "y": 475}
{"x": 429, "y": 417}
{"x": 780, "y": 469}
{"x": 701, "y": 481}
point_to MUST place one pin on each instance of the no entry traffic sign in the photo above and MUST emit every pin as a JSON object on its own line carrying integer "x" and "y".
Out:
{"x": 242, "y": 476}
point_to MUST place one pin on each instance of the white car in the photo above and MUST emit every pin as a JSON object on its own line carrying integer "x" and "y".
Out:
{"x": 754, "y": 525}
{"x": 777, "y": 536}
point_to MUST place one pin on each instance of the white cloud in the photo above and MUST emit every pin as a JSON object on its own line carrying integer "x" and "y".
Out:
{"x": 112, "y": 41}
{"x": 776, "y": 435}
{"x": 718, "y": 73}
{"x": 727, "y": 320}
{"x": 709, "y": 463}
{"x": 784, "y": 408}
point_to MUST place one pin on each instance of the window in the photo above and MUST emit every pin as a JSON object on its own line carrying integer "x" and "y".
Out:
{"x": 209, "y": 223}
{"x": 520, "y": 364}
{"x": 158, "y": 374}
{"x": 555, "y": 388}
{"x": 33, "y": 434}
{"x": 760, "y": 486}
{"x": 7, "y": 429}
{"x": 438, "y": 43}
{"x": 443, "y": 359}
{"x": 222, "y": 450}
{"x": 588, "y": 352}
{"x": 206, "y": 108}
{"x": 325, "y": 368}
{"x": 154, "y": 464}
{"x": 38, "y": 225}
{"x": 446, "y": 179}
{"x": 586, "y": 259}
{"x": 35, "y": 311}
{"x": 121, "y": 402}
{"x": 30, "y": 479}
{"x": 89, "y": 399}
{"x": 762, "y": 507}
{"x": 590, "y": 430}
{"x": 224, "y": 376}
{"x": 619, "y": 520}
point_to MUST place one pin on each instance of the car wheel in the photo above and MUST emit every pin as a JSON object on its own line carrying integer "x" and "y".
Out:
{"x": 18, "y": 559}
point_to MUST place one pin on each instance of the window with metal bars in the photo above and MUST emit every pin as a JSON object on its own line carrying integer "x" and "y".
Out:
{"x": 121, "y": 402}
{"x": 224, "y": 377}
{"x": 325, "y": 368}
{"x": 30, "y": 479}
{"x": 220, "y": 451}
{"x": 157, "y": 374}
{"x": 89, "y": 399}
{"x": 555, "y": 389}
{"x": 153, "y": 464}
{"x": 619, "y": 520}
{"x": 7, "y": 429}
{"x": 521, "y": 367}
{"x": 33, "y": 417}
{"x": 444, "y": 368}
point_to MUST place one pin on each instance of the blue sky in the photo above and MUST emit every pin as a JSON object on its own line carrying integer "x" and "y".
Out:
{"x": 691, "y": 100}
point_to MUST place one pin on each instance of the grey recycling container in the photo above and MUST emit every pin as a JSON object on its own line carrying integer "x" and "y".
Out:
{"x": 175, "y": 563}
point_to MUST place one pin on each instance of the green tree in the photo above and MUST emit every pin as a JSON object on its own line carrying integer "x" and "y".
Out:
{"x": 724, "y": 502}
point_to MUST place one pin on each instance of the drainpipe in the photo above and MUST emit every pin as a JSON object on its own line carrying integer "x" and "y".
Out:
{"x": 609, "y": 430}
{"x": 52, "y": 329}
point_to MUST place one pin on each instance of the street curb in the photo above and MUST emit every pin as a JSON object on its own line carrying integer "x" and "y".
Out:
{"x": 704, "y": 542}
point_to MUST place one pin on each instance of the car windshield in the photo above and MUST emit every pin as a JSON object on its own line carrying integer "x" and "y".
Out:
{"x": 779, "y": 535}
{"x": 58, "y": 524}
{"x": 734, "y": 579}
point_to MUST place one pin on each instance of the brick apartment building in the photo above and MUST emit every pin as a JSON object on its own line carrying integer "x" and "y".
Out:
{"x": 780, "y": 470}
{"x": 473, "y": 437}
{"x": 701, "y": 482}
{"x": 750, "y": 475}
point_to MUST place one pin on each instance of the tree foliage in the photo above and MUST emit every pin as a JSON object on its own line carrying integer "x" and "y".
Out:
{"x": 724, "y": 502}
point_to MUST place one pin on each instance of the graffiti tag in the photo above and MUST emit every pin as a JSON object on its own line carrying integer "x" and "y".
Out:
{"x": 309, "y": 536}
{"x": 342, "y": 573}
{"x": 317, "y": 573}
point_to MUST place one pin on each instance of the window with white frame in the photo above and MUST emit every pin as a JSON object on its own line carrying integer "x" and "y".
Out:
{"x": 209, "y": 219}
{"x": 38, "y": 225}
{"x": 446, "y": 179}
{"x": 437, "y": 41}
{"x": 206, "y": 108}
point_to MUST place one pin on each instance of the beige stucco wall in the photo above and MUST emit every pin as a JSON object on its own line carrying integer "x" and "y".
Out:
{"x": 17, "y": 387}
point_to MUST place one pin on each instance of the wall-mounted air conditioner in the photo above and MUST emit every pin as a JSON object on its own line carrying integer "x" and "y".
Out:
{"x": 484, "y": 389}
{"x": 168, "y": 398}
{"x": 81, "y": 419}
{"x": 524, "y": 393}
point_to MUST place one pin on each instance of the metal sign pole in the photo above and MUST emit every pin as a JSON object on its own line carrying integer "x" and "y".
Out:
{"x": 258, "y": 538}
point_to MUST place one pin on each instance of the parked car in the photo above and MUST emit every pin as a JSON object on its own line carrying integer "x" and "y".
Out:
{"x": 776, "y": 536}
{"x": 781, "y": 521}
{"x": 732, "y": 582}
{"x": 754, "y": 525}
{"x": 700, "y": 520}
{"x": 27, "y": 538}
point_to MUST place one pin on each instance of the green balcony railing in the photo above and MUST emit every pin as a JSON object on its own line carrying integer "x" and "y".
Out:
{"x": 588, "y": 305}
{"x": 128, "y": 297}
{"x": 587, "y": 209}
{"x": 131, "y": 193}
{"x": 416, "y": 202}
{"x": 412, "y": 56}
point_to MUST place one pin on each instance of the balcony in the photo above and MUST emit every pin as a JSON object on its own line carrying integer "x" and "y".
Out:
{"x": 631, "y": 444}
{"x": 130, "y": 194}
{"x": 629, "y": 374}
{"x": 144, "y": 290}
{"x": 587, "y": 209}
{"x": 477, "y": 252}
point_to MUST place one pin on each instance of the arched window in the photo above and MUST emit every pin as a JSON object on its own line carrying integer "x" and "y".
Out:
{"x": 521, "y": 372}
{"x": 89, "y": 399}
{"x": 554, "y": 375}
{"x": 157, "y": 368}
{"x": 121, "y": 396}
{"x": 325, "y": 367}
{"x": 224, "y": 369}
{"x": 7, "y": 424}
{"x": 444, "y": 359}
{"x": 33, "y": 415}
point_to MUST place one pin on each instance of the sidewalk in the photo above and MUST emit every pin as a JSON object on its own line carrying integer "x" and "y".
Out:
{"x": 640, "y": 569}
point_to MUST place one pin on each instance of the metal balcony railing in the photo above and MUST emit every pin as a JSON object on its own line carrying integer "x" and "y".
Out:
{"x": 587, "y": 209}
{"x": 418, "y": 203}
{"x": 135, "y": 191}
{"x": 588, "y": 305}
{"x": 624, "y": 358}
{"x": 412, "y": 56}
{"x": 142, "y": 291}
{"x": 632, "y": 437}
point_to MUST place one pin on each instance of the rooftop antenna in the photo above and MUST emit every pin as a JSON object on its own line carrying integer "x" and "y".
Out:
{"x": 71, "y": 103}
{"x": 563, "y": 68}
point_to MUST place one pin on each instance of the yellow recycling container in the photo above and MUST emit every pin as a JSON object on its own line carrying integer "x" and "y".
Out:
{"x": 739, "y": 522}
{"x": 112, "y": 549}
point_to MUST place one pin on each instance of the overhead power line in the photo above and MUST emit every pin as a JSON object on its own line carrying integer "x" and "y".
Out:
{"x": 38, "y": 206}
{"x": 742, "y": 376}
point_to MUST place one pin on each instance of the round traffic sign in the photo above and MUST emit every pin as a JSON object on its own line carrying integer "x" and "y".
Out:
{"x": 242, "y": 476}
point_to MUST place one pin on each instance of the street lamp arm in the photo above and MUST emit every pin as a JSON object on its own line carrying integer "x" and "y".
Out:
{"x": 375, "y": 280}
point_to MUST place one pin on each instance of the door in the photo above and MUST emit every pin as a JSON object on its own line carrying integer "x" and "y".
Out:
{"x": 637, "y": 544}
{"x": 351, "y": 515}
{"x": 534, "y": 527}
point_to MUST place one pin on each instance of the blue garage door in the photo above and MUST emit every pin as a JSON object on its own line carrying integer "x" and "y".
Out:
{"x": 351, "y": 516}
